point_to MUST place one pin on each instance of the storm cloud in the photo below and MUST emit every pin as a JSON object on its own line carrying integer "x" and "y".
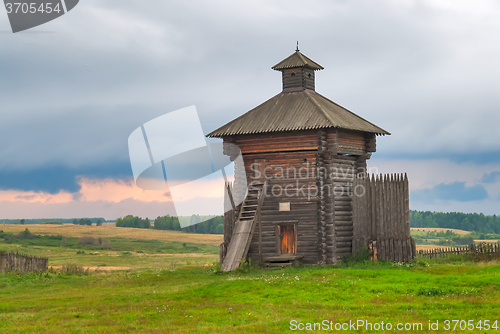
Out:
{"x": 72, "y": 90}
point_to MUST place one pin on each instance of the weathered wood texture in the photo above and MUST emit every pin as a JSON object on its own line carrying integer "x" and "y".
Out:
{"x": 19, "y": 262}
{"x": 314, "y": 171}
{"x": 291, "y": 177}
{"x": 351, "y": 142}
{"x": 335, "y": 175}
{"x": 277, "y": 142}
{"x": 298, "y": 78}
{"x": 482, "y": 250}
{"x": 229, "y": 220}
{"x": 243, "y": 231}
{"x": 381, "y": 213}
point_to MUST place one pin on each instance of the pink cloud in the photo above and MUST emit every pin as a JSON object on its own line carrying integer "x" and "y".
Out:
{"x": 107, "y": 198}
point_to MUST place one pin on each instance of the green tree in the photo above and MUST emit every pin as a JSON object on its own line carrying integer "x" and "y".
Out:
{"x": 133, "y": 221}
{"x": 219, "y": 229}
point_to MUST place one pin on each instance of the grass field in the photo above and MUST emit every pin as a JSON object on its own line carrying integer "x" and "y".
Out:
{"x": 110, "y": 231}
{"x": 171, "y": 285}
{"x": 121, "y": 248}
{"x": 197, "y": 300}
{"x": 415, "y": 230}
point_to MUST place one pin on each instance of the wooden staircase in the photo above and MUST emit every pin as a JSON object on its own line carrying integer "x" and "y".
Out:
{"x": 244, "y": 227}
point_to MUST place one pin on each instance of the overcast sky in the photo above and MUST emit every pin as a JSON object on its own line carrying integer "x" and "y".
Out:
{"x": 73, "y": 90}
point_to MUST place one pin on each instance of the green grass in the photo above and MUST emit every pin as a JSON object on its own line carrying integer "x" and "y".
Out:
{"x": 168, "y": 287}
{"x": 200, "y": 300}
{"x": 113, "y": 252}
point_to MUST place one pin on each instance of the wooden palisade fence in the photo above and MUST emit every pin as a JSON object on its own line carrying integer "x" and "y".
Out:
{"x": 483, "y": 248}
{"x": 18, "y": 262}
{"x": 381, "y": 217}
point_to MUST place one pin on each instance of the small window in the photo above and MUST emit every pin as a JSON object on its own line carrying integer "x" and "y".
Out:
{"x": 293, "y": 74}
{"x": 309, "y": 75}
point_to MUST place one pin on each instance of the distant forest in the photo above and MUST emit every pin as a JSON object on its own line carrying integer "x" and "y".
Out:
{"x": 49, "y": 220}
{"x": 211, "y": 226}
{"x": 462, "y": 221}
{"x": 457, "y": 220}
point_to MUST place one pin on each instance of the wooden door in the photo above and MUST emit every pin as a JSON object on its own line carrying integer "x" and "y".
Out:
{"x": 287, "y": 239}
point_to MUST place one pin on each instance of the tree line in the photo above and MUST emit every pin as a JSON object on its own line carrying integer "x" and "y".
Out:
{"x": 50, "y": 221}
{"x": 171, "y": 223}
{"x": 83, "y": 221}
{"x": 457, "y": 220}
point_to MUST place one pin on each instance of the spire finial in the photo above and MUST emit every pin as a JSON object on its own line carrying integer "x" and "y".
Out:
{"x": 297, "y": 49}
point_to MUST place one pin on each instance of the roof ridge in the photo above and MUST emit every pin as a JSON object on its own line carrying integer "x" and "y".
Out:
{"x": 301, "y": 56}
{"x": 323, "y": 112}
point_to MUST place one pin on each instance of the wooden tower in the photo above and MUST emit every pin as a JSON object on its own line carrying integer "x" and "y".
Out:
{"x": 306, "y": 150}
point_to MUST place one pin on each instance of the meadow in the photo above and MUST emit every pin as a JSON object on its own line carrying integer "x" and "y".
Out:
{"x": 171, "y": 284}
{"x": 110, "y": 248}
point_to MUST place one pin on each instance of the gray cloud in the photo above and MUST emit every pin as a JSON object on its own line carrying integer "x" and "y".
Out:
{"x": 428, "y": 72}
{"x": 492, "y": 177}
{"x": 418, "y": 70}
{"x": 456, "y": 191}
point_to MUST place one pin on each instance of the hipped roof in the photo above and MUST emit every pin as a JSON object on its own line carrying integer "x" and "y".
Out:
{"x": 297, "y": 59}
{"x": 291, "y": 111}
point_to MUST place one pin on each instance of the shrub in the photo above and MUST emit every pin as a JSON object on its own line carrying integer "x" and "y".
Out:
{"x": 74, "y": 269}
{"x": 361, "y": 256}
{"x": 87, "y": 240}
{"x": 85, "y": 221}
{"x": 26, "y": 234}
{"x": 52, "y": 222}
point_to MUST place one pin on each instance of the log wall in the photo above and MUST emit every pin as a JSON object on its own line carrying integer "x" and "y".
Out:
{"x": 291, "y": 177}
{"x": 298, "y": 78}
{"x": 351, "y": 142}
{"x": 317, "y": 168}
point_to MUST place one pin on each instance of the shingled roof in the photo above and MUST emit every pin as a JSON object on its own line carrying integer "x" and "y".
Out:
{"x": 297, "y": 59}
{"x": 296, "y": 108}
{"x": 302, "y": 110}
